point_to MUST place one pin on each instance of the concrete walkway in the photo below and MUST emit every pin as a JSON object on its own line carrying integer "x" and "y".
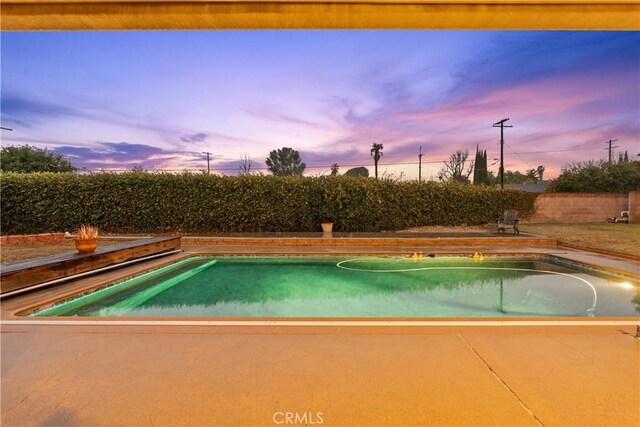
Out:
{"x": 159, "y": 375}
{"x": 231, "y": 376}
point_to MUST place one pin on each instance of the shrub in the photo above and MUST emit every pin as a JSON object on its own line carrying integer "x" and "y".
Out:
{"x": 139, "y": 202}
{"x": 25, "y": 158}
{"x": 600, "y": 176}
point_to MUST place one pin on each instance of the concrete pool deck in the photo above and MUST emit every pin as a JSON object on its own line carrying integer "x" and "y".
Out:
{"x": 145, "y": 374}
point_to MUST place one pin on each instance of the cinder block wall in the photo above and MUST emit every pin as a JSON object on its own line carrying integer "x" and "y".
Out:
{"x": 580, "y": 207}
{"x": 634, "y": 207}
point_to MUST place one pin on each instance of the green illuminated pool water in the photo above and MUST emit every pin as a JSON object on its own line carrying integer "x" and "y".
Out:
{"x": 249, "y": 286}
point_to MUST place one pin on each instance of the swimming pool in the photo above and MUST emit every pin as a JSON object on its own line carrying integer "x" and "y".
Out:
{"x": 362, "y": 287}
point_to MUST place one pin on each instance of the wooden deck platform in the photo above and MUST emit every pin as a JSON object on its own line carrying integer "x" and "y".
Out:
{"x": 24, "y": 274}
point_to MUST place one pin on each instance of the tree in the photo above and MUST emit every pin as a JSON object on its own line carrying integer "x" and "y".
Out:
{"x": 244, "y": 167}
{"x": 376, "y": 152}
{"x": 454, "y": 168}
{"x": 532, "y": 176}
{"x": 26, "y": 158}
{"x": 480, "y": 172}
{"x": 515, "y": 177}
{"x": 359, "y": 171}
{"x": 334, "y": 169}
{"x": 598, "y": 176}
{"x": 623, "y": 157}
{"x": 477, "y": 162}
{"x": 540, "y": 171}
{"x": 285, "y": 162}
{"x": 484, "y": 171}
{"x": 492, "y": 179}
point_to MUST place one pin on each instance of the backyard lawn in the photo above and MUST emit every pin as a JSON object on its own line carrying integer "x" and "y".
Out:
{"x": 619, "y": 238}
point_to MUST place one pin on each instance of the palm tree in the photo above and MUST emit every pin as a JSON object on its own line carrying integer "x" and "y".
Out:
{"x": 376, "y": 152}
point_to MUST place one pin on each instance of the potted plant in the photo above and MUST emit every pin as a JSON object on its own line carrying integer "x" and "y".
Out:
{"x": 327, "y": 225}
{"x": 86, "y": 239}
{"x": 327, "y": 210}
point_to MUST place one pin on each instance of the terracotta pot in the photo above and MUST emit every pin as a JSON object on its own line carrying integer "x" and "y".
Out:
{"x": 327, "y": 227}
{"x": 86, "y": 246}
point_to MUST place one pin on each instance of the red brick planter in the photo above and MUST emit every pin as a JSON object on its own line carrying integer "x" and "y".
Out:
{"x": 32, "y": 238}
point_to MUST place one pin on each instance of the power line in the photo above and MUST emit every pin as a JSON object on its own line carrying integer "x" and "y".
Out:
{"x": 515, "y": 152}
{"x": 327, "y": 166}
{"x": 424, "y": 161}
{"x": 552, "y": 151}
{"x": 518, "y": 156}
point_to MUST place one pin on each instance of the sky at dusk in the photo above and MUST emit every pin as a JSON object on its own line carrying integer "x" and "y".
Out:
{"x": 157, "y": 100}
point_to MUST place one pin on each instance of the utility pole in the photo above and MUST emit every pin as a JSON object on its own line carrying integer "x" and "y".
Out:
{"x": 501, "y": 125}
{"x": 420, "y": 165}
{"x": 610, "y": 148}
{"x": 208, "y": 156}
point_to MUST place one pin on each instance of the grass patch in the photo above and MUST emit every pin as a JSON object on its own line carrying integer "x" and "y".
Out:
{"x": 618, "y": 238}
{"x": 22, "y": 252}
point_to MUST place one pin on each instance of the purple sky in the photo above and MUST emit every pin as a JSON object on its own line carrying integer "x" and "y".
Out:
{"x": 116, "y": 100}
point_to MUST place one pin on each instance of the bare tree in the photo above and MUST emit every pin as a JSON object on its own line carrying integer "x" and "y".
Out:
{"x": 245, "y": 165}
{"x": 454, "y": 168}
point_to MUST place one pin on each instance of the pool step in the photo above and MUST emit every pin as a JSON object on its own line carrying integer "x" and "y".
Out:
{"x": 64, "y": 308}
{"x": 145, "y": 295}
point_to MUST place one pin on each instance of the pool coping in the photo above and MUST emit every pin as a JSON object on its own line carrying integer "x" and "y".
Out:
{"x": 302, "y": 322}
{"x": 331, "y": 240}
{"x": 15, "y": 316}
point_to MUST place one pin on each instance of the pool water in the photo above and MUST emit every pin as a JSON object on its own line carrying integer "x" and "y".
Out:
{"x": 365, "y": 287}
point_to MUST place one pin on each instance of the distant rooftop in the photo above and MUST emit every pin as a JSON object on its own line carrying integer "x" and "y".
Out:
{"x": 538, "y": 187}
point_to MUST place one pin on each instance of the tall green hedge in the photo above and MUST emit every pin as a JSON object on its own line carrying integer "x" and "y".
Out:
{"x": 140, "y": 202}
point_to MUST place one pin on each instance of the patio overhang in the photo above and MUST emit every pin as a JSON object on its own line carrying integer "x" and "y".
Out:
{"x": 36, "y": 15}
